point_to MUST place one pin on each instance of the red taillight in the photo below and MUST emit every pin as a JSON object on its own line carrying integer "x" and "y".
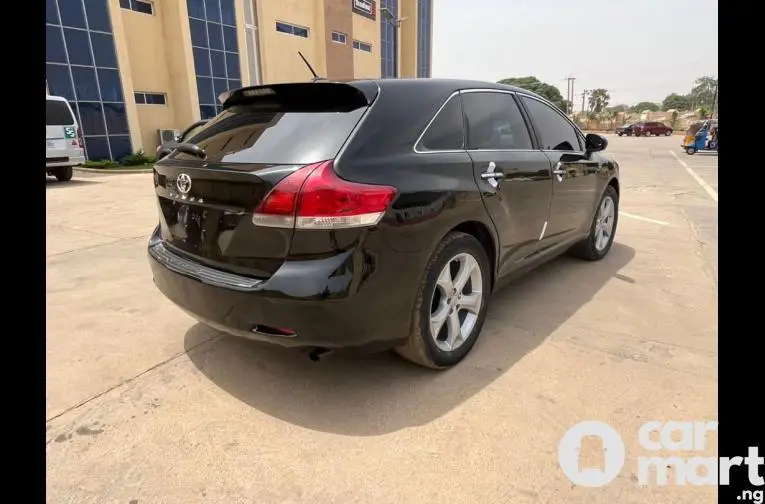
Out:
{"x": 314, "y": 197}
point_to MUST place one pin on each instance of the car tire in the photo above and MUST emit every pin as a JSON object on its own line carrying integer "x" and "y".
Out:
{"x": 620, "y": 134}
{"x": 668, "y": 132}
{"x": 421, "y": 347}
{"x": 63, "y": 174}
{"x": 593, "y": 248}
{"x": 690, "y": 151}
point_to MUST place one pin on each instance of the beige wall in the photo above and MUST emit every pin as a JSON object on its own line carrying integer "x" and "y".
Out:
{"x": 407, "y": 48}
{"x": 279, "y": 51}
{"x": 118, "y": 29}
{"x": 366, "y": 65}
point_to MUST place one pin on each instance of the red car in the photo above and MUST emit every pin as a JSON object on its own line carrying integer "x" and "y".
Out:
{"x": 651, "y": 128}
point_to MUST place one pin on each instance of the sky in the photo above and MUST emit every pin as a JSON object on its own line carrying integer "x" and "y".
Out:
{"x": 639, "y": 50}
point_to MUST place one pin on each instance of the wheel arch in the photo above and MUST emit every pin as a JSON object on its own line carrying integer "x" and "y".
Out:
{"x": 486, "y": 238}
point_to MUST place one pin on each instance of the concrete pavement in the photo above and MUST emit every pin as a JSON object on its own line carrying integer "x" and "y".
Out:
{"x": 144, "y": 405}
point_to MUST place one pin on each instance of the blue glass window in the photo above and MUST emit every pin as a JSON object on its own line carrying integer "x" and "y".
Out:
{"x": 232, "y": 65}
{"x": 198, "y": 33}
{"x": 424, "y": 27}
{"x": 89, "y": 78}
{"x": 78, "y": 47}
{"x": 298, "y": 31}
{"x": 206, "y": 94}
{"x": 218, "y": 64}
{"x": 120, "y": 146}
{"x": 229, "y": 38}
{"x": 144, "y": 7}
{"x": 97, "y": 148}
{"x": 98, "y": 15}
{"x": 85, "y": 86}
{"x": 91, "y": 118}
{"x": 116, "y": 118}
{"x": 202, "y": 61}
{"x": 212, "y": 9}
{"x": 215, "y": 32}
{"x": 155, "y": 99}
{"x": 71, "y": 13}
{"x": 110, "y": 85}
{"x": 196, "y": 8}
{"x": 54, "y": 45}
{"x": 51, "y": 13}
{"x": 59, "y": 81}
{"x": 103, "y": 50}
{"x": 388, "y": 57}
{"x": 228, "y": 14}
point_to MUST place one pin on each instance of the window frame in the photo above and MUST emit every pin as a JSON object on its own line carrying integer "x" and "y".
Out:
{"x": 339, "y": 34}
{"x": 580, "y": 136}
{"x": 356, "y": 45}
{"x": 145, "y": 93}
{"x": 132, "y": 6}
{"x": 293, "y": 26}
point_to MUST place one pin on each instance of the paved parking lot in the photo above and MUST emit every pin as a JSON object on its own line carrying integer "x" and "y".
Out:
{"x": 146, "y": 406}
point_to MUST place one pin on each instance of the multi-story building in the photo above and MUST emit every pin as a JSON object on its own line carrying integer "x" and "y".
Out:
{"x": 133, "y": 67}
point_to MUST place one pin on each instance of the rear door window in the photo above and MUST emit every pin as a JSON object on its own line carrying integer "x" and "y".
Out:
{"x": 446, "y": 132}
{"x": 554, "y": 131}
{"x": 494, "y": 122}
{"x": 57, "y": 113}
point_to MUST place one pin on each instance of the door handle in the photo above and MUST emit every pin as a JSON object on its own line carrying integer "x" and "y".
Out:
{"x": 559, "y": 172}
{"x": 492, "y": 175}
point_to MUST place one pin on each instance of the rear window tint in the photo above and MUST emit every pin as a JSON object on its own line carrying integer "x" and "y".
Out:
{"x": 57, "y": 114}
{"x": 446, "y": 130}
{"x": 250, "y": 134}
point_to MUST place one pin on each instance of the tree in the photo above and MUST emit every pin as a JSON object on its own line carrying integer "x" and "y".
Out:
{"x": 618, "y": 108}
{"x": 599, "y": 100}
{"x": 642, "y": 106}
{"x": 543, "y": 89}
{"x": 675, "y": 102}
{"x": 703, "y": 92}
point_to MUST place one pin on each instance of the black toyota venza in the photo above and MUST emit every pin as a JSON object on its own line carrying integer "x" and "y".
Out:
{"x": 374, "y": 214}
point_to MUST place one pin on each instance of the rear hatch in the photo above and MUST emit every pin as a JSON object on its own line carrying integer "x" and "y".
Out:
{"x": 264, "y": 134}
{"x": 60, "y": 130}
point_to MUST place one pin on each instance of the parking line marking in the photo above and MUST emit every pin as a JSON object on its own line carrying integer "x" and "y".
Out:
{"x": 645, "y": 219}
{"x": 708, "y": 188}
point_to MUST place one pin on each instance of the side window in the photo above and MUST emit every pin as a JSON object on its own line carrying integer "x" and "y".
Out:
{"x": 555, "y": 132}
{"x": 446, "y": 130}
{"x": 494, "y": 122}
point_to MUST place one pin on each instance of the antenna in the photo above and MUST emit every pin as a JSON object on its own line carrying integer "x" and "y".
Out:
{"x": 310, "y": 68}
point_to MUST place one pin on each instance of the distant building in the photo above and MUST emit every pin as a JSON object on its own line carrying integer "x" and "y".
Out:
{"x": 133, "y": 67}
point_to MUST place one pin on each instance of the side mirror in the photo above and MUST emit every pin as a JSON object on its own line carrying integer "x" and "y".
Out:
{"x": 595, "y": 143}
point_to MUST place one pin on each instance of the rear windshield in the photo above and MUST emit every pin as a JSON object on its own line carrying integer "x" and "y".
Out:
{"x": 57, "y": 114}
{"x": 249, "y": 134}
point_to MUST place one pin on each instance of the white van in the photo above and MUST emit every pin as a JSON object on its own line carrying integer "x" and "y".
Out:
{"x": 63, "y": 139}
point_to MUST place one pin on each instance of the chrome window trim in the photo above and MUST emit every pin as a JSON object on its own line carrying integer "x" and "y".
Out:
{"x": 465, "y": 149}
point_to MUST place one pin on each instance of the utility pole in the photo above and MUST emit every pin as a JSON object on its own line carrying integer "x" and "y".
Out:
{"x": 570, "y": 95}
{"x": 584, "y": 95}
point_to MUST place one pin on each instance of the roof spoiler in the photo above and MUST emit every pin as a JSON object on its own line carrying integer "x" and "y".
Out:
{"x": 317, "y": 96}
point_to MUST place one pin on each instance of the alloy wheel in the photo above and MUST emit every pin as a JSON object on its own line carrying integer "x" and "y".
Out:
{"x": 456, "y": 302}
{"x": 604, "y": 224}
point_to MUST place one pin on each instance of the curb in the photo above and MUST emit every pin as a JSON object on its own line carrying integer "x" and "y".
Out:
{"x": 111, "y": 171}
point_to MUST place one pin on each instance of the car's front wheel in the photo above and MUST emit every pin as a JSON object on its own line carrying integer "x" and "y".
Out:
{"x": 63, "y": 173}
{"x": 668, "y": 132}
{"x": 451, "y": 303}
{"x": 602, "y": 229}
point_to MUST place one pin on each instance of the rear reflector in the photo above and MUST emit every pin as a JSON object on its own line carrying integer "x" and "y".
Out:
{"x": 314, "y": 197}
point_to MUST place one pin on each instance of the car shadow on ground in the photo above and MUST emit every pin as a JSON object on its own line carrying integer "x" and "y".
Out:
{"x": 382, "y": 393}
{"x": 52, "y": 183}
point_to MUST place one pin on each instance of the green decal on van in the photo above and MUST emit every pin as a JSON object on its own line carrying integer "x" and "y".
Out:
{"x": 69, "y": 132}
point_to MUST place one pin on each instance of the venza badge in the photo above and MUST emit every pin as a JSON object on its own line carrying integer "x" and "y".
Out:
{"x": 183, "y": 183}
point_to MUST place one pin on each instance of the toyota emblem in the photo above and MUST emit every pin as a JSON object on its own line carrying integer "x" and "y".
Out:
{"x": 183, "y": 183}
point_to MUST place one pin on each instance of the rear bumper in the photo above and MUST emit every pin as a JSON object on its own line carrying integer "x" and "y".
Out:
{"x": 58, "y": 162}
{"x": 331, "y": 303}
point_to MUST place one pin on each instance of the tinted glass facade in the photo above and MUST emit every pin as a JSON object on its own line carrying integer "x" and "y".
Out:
{"x": 81, "y": 65}
{"x": 216, "y": 51}
{"x": 388, "y": 35}
{"x": 424, "y": 24}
